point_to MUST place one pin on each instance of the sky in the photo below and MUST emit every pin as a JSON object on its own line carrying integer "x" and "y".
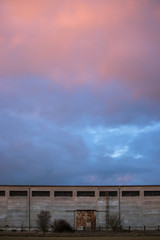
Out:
{"x": 80, "y": 92}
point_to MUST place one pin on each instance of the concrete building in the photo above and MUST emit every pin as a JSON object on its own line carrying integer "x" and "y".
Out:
{"x": 82, "y": 206}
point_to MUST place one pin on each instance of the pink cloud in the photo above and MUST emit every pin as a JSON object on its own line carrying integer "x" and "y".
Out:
{"x": 124, "y": 179}
{"x": 74, "y": 42}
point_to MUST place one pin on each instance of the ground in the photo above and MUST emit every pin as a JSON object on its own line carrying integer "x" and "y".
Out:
{"x": 82, "y": 238}
{"x": 103, "y": 235}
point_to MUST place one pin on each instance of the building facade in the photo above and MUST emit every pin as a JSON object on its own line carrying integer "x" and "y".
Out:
{"x": 88, "y": 207}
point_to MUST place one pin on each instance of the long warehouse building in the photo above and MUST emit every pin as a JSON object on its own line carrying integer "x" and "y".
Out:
{"x": 84, "y": 207}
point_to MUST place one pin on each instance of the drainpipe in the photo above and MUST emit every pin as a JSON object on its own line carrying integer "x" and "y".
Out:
{"x": 119, "y": 203}
{"x": 29, "y": 208}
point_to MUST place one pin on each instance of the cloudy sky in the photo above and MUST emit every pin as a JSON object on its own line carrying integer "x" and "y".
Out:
{"x": 80, "y": 92}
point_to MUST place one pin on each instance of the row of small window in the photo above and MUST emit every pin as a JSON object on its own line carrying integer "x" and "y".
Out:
{"x": 80, "y": 193}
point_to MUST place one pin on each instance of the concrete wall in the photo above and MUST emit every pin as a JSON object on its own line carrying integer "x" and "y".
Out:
{"x": 136, "y": 211}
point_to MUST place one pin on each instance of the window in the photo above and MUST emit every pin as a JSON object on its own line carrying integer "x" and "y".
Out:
{"x": 63, "y": 193}
{"x": 2, "y": 193}
{"x": 85, "y": 194}
{"x": 151, "y": 193}
{"x": 108, "y": 193}
{"x": 130, "y": 193}
{"x": 18, "y": 193}
{"x": 40, "y": 193}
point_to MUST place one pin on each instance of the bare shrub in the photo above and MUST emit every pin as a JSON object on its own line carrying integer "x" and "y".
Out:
{"x": 43, "y": 220}
{"x": 61, "y": 225}
{"x": 115, "y": 222}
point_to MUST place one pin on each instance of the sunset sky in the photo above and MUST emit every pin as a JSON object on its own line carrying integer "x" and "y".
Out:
{"x": 80, "y": 92}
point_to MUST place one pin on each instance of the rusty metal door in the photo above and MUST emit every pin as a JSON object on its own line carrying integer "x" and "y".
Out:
{"x": 85, "y": 219}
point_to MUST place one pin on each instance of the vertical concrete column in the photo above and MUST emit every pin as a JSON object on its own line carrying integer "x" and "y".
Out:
{"x": 75, "y": 205}
{"x": 52, "y": 203}
{"x": 7, "y": 204}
